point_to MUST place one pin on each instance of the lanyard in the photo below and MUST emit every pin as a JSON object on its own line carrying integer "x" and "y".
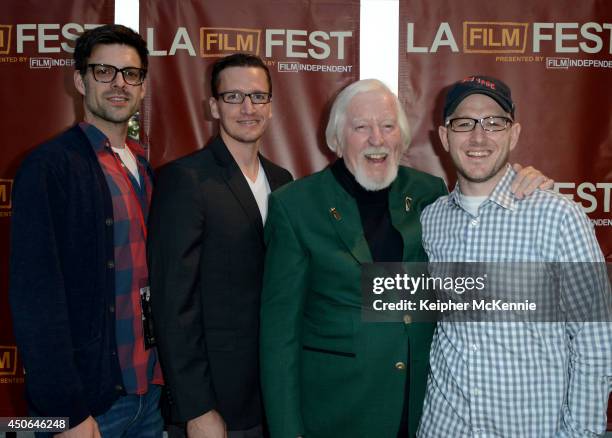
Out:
{"x": 120, "y": 166}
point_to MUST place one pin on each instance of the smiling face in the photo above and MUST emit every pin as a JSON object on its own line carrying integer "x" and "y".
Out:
{"x": 479, "y": 156}
{"x": 241, "y": 123}
{"x": 372, "y": 140}
{"x": 111, "y": 103}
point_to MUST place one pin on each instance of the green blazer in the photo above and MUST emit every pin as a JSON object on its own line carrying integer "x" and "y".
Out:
{"x": 325, "y": 372}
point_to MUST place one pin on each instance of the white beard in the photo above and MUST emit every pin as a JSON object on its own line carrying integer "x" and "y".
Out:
{"x": 370, "y": 184}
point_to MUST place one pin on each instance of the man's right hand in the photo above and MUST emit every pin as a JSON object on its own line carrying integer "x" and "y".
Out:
{"x": 86, "y": 429}
{"x": 209, "y": 425}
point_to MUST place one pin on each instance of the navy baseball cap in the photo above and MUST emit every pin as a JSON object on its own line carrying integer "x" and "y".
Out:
{"x": 492, "y": 87}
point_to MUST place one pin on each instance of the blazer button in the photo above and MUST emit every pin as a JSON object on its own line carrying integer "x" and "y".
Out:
{"x": 108, "y": 221}
{"x": 400, "y": 366}
{"x": 111, "y": 309}
{"x": 118, "y": 388}
{"x": 110, "y": 264}
{"x": 407, "y": 319}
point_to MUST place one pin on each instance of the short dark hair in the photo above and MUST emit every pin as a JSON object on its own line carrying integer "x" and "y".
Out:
{"x": 108, "y": 34}
{"x": 237, "y": 60}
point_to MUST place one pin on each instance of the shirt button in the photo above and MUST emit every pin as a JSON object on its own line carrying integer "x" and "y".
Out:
{"x": 474, "y": 347}
{"x": 474, "y": 222}
{"x": 476, "y": 391}
{"x": 407, "y": 319}
{"x": 108, "y": 221}
{"x": 400, "y": 366}
{"x": 110, "y": 264}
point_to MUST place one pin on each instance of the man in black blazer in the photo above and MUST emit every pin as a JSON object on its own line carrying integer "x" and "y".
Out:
{"x": 205, "y": 255}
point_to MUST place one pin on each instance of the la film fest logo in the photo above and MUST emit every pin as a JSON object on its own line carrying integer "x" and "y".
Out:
{"x": 43, "y": 45}
{"x": 492, "y": 37}
{"x": 289, "y": 50}
{"x": 8, "y": 360}
{"x": 220, "y": 41}
{"x": 512, "y": 41}
{"x": 594, "y": 198}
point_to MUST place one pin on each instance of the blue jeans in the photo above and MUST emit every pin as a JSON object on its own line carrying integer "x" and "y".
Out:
{"x": 130, "y": 416}
{"x": 133, "y": 416}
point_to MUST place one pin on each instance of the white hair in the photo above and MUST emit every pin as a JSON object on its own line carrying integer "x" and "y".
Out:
{"x": 337, "y": 116}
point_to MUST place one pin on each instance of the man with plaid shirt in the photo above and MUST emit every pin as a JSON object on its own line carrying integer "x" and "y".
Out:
{"x": 512, "y": 379}
{"x": 79, "y": 279}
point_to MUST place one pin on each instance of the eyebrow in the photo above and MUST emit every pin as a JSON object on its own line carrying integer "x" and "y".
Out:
{"x": 245, "y": 91}
{"x": 483, "y": 117}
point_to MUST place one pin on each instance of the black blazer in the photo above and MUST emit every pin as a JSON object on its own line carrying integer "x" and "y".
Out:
{"x": 205, "y": 254}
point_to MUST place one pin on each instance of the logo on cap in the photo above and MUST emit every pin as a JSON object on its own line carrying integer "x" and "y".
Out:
{"x": 478, "y": 84}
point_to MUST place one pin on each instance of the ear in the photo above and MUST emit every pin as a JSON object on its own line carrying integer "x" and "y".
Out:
{"x": 443, "y": 134}
{"x": 515, "y": 132}
{"x": 79, "y": 82}
{"x": 143, "y": 89}
{"x": 337, "y": 145}
{"x": 214, "y": 107}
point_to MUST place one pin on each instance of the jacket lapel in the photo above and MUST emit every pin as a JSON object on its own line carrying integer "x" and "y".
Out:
{"x": 272, "y": 174}
{"x": 405, "y": 218}
{"x": 344, "y": 216}
{"x": 237, "y": 183}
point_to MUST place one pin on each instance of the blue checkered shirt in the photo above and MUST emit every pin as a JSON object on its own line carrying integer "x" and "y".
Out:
{"x": 515, "y": 379}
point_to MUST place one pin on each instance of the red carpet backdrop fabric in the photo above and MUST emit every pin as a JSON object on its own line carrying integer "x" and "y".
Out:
{"x": 311, "y": 48}
{"x": 37, "y": 101}
{"x": 557, "y": 58}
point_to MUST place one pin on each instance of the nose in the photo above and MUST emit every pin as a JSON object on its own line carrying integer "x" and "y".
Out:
{"x": 247, "y": 106}
{"x": 119, "y": 82}
{"x": 478, "y": 133}
{"x": 376, "y": 137}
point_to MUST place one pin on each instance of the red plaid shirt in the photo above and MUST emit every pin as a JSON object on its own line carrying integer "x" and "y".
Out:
{"x": 139, "y": 367}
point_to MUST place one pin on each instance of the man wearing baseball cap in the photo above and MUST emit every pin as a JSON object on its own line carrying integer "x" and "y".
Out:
{"x": 544, "y": 378}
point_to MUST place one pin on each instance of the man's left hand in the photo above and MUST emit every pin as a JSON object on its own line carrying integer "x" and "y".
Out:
{"x": 528, "y": 180}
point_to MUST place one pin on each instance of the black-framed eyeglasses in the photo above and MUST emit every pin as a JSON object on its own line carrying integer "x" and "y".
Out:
{"x": 237, "y": 97}
{"x": 107, "y": 73}
{"x": 489, "y": 124}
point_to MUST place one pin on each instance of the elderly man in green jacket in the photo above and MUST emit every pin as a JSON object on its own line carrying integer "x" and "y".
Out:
{"x": 326, "y": 372}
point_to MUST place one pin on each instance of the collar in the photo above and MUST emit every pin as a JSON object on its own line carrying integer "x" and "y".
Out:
{"x": 99, "y": 140}
{"x": 501, "y": 194}
{"x": 349, "y": 183}
{"x": 224, "y": 158}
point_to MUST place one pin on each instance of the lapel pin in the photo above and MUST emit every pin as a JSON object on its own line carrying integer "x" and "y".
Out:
{"x": 408, "y": 203}
{"x": 335, "y": 213}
